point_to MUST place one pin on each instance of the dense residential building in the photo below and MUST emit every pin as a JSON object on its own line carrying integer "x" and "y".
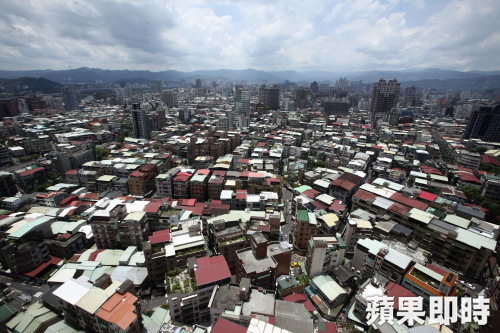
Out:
{"x": 263, "y": 262}
{"x": 429, "y": 281}
{"x": 324, "y": 254}
{"x": 211, "y": 199}
{"x": 306, "y": 225}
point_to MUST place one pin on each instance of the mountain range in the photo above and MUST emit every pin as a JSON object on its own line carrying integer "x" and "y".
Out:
{"x": 417, "y": 77}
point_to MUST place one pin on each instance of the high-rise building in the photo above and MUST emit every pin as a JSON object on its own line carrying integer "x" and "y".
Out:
{"x": 69, "y": 97}
{"x": 384, "y": 98}
{"x": 140, "y": 122}
{"x": 198, "y": 84}
{"x": 484, "y": 124}
{"x": 146, "y": 121}
{"x": 242, "y": 102}
{"x": 270, "y": 96}
{"x": 169, "y": 97}
{"x": 301, "y": 95}
{"x": 314, "y": 88}
{"x": 159, "y": 85}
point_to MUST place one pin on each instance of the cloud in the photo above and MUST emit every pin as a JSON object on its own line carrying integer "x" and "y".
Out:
{"x": 277, "y": 35}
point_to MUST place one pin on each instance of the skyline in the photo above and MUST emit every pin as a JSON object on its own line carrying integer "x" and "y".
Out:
{"x": 192, "y": 35}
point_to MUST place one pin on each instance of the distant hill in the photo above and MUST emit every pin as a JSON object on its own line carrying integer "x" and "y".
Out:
{"x": 435, "y": 78}
{"x": 29, "y": 84}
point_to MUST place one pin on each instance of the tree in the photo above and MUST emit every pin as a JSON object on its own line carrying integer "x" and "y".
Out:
{"x": 101, "y": 153}
{"x": 122, "y": 136}
{"x": 471, "y": 192}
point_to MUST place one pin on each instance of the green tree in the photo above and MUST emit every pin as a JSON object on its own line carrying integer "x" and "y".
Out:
{"x": 122, "y": 136}
{"x": 101, "y": 153}
{"x": 471, "y": 192}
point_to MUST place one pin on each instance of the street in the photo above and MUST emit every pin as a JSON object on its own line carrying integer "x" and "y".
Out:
{"x": 153, "y": 303}
{"x": 286, "y": 229}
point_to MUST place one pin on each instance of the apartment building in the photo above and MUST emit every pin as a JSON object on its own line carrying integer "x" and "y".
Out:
{"x": 142, "y": 181}
{"x": 306, "y": 225}
{"x": 216, "y": 184}
{"x": 198, "y": 184}
{"x": 325, "y": 252}
{"x": 355, "y": 230}
{"x": 263, "y": 262}
{"x": 428, "y": 281}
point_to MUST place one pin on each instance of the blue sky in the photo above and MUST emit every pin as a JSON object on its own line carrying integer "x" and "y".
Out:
{"x": 349, "y": 35}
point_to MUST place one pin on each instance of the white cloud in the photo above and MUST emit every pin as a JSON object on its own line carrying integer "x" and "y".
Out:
{"x": 278, "y": 35}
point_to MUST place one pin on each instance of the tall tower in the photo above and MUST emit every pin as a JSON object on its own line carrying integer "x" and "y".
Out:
{"x": 242, "y": 102}
{"x": 140, "y": 122}
{"x": 384, "y": 97}
{"x": 484, "y": 124}
{"x": 301, "y": 95}
{"x": 69, "y": 98}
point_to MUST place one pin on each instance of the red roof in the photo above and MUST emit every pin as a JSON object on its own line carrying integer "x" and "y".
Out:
{"x": 396, "y": 291}
{"x": 225, "y": 326}
{"x": 241, "y": 194}
{"x": 160, "y": 236}
{"x": 202, "y": 172}
{"x": 211, "y": 269}
{"x": 136, "y": 173}
{"x": 399, "y": 209}
{"x": 364, "y": 195}
{"x": 311, "y": 193}
{"x": 300, "y": 298}
{"x": 484, "y": 210}
{"x": 319, "y": 205}
{"x": 71, "y": 172}
{"x": 465, "y": 169}
{"x": 264, "y": 228}
{"x": 182, "y": 176}
{"x": 197, "y": 209}
{"x": 30, "y": 172}
{"x": 186, "y": 202}
{"x": 435, "y": 269}
{"x": 329, "y": 328}
{"x": 427, "y": 196}
{"x": 408, "y": 201}
{"x": 219, "y": 173}
{"x": 467, "y": 177}
{"x": 244, "y": 160}
{"x": 94, "y": 254}
{"x": 153, "y": 206}
{"x": 337, "y": 206}
{"x": 431, "y": 170}
{"x": 347, "y": 181}
{"x": 67, "y": 200}
{"x": 53, "y": 261}
{"x": 485, "y": 159}
{"x": 271, "y": 180}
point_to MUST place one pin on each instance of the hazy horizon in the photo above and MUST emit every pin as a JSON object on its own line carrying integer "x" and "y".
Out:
{"x": 337, "y": 36}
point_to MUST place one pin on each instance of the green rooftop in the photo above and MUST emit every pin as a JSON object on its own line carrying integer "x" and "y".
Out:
{"x": 302, "y": 215}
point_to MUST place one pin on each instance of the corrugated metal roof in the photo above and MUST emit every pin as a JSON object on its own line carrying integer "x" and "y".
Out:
{"x": 328, "y": 287}
{"x": 457, "y": 220}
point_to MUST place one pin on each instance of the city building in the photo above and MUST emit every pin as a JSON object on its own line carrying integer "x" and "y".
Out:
{"x": 263, "y": 262}
{"x": 70, "y": 98}
{"x": 484, "y": 124}
{"x": 383, "y": 99}
{"x": 325, "y": 252}
{"x": 306, "y": 225}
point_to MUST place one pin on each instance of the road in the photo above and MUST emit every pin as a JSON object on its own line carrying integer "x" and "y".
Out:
{"x": 286, "y": 229}
{"x": 155, "y": 302}
{"x": 12, "y": 168}
{"x": 18, "y": 288}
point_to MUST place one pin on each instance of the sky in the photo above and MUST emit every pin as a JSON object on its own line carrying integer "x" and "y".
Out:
{"x": 186, "y": 35}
